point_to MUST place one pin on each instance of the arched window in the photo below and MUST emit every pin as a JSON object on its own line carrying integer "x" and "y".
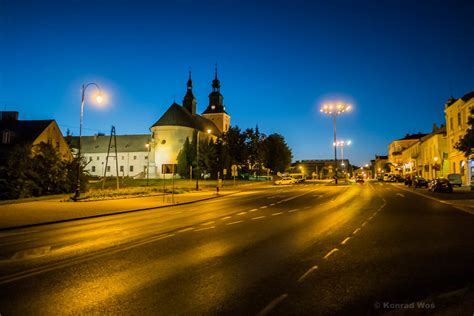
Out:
{"x": 6, "y": 137}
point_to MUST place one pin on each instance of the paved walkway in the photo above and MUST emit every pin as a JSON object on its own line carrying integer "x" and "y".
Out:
{"x": 54, "y": 210}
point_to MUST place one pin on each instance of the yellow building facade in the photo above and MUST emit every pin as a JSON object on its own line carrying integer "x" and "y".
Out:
{"x": 457, "y": 113}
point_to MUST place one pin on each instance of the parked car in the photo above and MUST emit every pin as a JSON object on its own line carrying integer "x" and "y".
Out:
{"x": 285, "y": 180}
{"x": 420, "y": 182}
{"x": 387, "y": 177}
{"x": 408, "y": 181}
{"x": 440, "y": 185}
{"x": 360, "y": 179}
{"x": 455, "y": 179}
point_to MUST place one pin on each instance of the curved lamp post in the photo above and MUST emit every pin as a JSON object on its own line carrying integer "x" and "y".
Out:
{"x": 99, "y": 99}
{"x": 334, "y": 110}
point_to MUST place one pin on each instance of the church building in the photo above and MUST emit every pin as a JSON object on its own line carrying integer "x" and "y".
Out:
{"x": 179, "y": 122}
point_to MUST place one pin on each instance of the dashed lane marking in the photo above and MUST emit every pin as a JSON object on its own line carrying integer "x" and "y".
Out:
{"x": 400, "y": 194}
{"x": 306, "y": 207}
{"x": 277, "y": 213}
{"x": 363, "y": 224}
{"x": 208, "y": 223}
{"x": 307, "y": 273}
{"x": 330, "y": 253}
{"x": 355, "y": 231}
{"x": 205, "y": 228}
{"x": 242, "y": 213}
{"x": 254, "y": 210}
{"x": 226, "y": 218}
{"x": 258, "y": 217}
{"x": 265, "y": 206}
{"x": 272, "y": 305}
{"x": 187, "y": 229}
{"x": 273, "y": 204}
{"x": 345, "y": 240}
{"x": 233, "y": 223}
{"x": 294, "y": 210}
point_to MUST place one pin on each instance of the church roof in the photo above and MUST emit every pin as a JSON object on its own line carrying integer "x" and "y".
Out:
{"x": 177, "y": 115}
{"x": 100, "y": 144}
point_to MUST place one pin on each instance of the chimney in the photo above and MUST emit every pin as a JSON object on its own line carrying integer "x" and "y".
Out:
{"x": 9, "y": 115}
{"x": 435, "y": 128}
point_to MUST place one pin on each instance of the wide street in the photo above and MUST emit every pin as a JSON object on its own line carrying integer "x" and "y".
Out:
{"x": 299, "y": 249}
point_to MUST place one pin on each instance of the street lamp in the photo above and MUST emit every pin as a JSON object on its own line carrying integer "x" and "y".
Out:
{"x": 197, "y": 160}
{"x": 99, "y": 99}
{"x": 341, "y": 144}
{"x": 334, "y": 110}
{"x": 148, "y": 163}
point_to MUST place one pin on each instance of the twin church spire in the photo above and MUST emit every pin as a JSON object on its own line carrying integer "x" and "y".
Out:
{"x": 215, "y": 97}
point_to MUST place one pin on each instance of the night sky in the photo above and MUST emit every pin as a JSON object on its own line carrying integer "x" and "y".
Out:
{"x": 397, "y": 62}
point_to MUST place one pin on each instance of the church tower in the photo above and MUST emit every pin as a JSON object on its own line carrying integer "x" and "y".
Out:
{"x": 215, "y": 111}
{"x": 189, "y": 101}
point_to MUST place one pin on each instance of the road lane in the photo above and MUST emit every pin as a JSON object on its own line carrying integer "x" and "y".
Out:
{"x": 219, "y": 269}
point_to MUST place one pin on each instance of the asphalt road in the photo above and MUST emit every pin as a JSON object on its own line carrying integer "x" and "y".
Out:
{"x": 302, "y": 249}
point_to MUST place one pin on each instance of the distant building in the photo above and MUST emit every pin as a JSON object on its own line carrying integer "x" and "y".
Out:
{"x": 457, "y": 114}
{"x": 396, "y": 148}
{"x": 132, "y": 155}
{"x": 320, "y": 168}
{"x": 380, "y": 165}
{"x": 14, "y": 131}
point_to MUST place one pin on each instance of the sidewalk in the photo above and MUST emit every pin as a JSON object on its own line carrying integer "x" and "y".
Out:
{"x": 30, "y": 213}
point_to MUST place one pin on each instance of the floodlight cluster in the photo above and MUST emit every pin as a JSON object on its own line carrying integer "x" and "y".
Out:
{"x": 330, "y": 108}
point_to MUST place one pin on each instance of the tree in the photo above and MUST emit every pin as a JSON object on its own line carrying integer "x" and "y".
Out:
{"x": 278, "y": 155}
{"x": 234, "y": 141}
{"x": 207, "y": 156}
{"x": 185, "y": 159}
{"x": 466, "y": 143}
{"x": 254, "y": 142}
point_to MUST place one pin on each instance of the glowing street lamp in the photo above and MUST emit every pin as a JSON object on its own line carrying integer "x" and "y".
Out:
{"x": 341, "y": 144}
{"x": 99, "y": 99}
{"x": 334, "y": 110}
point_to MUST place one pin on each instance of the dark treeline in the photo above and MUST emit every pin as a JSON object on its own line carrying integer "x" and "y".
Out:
{"x": 253, "y": 152}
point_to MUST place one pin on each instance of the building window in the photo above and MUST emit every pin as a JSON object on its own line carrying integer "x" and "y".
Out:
{"x": 93, "y": 168}
{"x": 121, "y": 168}
{"x": 108, "y": 168}
{"x": 123, "y": 157}
{"x": 131, "y": 168}
{"x": 454, "y": 167}
{"x": 97, "y": 157}
{"x": 134, "y": 157}
{"x": 451, "y": 124}
{"x": 6, "y": 137}
{"x": 146, "y": 157}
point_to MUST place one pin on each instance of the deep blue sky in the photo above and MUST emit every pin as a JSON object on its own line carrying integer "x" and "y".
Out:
{"x": 397, "y": 61}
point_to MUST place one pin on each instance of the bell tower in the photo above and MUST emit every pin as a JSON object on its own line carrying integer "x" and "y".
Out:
{"x": 216, "y": 111}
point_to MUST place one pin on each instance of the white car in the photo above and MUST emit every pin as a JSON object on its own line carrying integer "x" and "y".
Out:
{"x": 285, "y": 180}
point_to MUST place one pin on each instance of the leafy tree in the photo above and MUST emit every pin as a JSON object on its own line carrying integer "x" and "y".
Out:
{"x": 277, "y": 153}
{"x": 255, "y": 150}
{"x": 466, "y": 143}
{"x": 207, "y": 156}
{"x": 185, "y": 159}
{"x": 234, "y": 141}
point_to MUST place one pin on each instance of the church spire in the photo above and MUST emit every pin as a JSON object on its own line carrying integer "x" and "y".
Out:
{"x": 189, "y": 101}
{"x": 216, "y": 84}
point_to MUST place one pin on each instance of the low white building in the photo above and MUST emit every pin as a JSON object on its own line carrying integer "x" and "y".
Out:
{"x": 132, "y": 155}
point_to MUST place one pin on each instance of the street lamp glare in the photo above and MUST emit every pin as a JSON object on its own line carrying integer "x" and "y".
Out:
{"x": 208, "y": 131}
{"x": 99, "y": 98}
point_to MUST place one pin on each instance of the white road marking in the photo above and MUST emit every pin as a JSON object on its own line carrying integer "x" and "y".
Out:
{"x": 330, "y": 253}
{"x": 272, "y": 305}
{"x": 208, "y": 223}
{"x": 185, "y": 229}
{"x": 355, "y": 231}
{"x": 307, "y": 273}
{"x": 205, "y": 228}
{"x": 258, "y": 217}
{"x": 263, "y": 206}
{"x": 345, "y": 240}
{"x": 306, "y": 207}
{"x": 277, "y": 213}
{"x": 273, "y": 204}
{"x": 233, "y": 223}
{"x": 294, "y": 210}
{"x": 363, "y": 224}
{"x": 226, "y": 218}
{"x": 399, "y": 194}
{"x": 242, "y": 213}
{"x": 254, "y": 210}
